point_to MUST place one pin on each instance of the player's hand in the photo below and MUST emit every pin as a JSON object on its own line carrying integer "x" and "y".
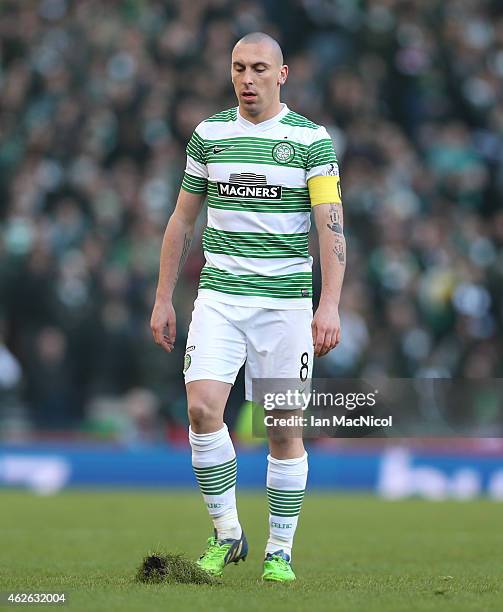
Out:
{"x": 326, "y": 328}
{"x": 163, "y": 325}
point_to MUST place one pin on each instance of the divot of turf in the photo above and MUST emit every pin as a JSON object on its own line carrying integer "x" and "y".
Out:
{"x": 171, "y": 568}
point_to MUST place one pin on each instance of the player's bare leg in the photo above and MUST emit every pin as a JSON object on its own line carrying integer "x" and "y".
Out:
{"x": 214, "y": 463}
{"x": 206, "y": 401}
{"x": 286, "y": 448}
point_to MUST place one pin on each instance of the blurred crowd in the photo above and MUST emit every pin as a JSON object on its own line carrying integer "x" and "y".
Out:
{"x": 97, "y": 102}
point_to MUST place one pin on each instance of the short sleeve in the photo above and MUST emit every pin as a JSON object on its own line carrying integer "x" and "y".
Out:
{"x": 321, "y": 159}
{"x": 195, "y": 178}
{"x": 322, "y": 170}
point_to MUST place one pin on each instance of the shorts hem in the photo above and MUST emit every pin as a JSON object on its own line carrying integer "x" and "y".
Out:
{"x": 224, "y": 379}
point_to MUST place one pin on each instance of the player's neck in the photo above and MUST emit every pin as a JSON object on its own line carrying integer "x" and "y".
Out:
{"x": 266, "y": 114}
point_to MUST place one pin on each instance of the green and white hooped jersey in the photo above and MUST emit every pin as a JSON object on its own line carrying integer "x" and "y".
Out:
{"x": 259, "y": 210}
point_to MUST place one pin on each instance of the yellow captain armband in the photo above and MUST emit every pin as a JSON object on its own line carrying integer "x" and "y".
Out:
{"x": 324, "y": 190}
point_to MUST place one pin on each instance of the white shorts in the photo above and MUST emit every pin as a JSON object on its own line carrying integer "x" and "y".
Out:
{"x": 273, "y": 343}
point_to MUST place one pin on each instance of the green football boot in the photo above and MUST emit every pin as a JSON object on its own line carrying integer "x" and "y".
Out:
{"x": 277, "y": 567}
{"x": 222, "y": 552}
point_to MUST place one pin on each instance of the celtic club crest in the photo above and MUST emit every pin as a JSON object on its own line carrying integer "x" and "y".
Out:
{"x": 283, "y": 152}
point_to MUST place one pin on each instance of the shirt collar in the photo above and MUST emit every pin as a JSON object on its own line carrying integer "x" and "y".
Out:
{"x": 263, "y": 125}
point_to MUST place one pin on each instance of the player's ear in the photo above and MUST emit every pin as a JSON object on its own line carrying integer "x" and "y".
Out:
{"x": 283, "y": 75}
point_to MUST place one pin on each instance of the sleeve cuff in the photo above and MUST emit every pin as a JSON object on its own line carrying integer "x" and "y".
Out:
{"x": 194, "y": 184}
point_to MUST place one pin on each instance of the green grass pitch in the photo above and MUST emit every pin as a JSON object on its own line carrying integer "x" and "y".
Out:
{"x": 351, "y": 552}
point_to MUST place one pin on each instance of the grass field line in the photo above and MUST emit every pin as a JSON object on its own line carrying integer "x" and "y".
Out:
{"x": 352, "y": 552}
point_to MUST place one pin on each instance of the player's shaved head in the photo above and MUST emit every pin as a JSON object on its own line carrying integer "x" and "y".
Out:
{"x": 261, "y": 38}
{"x": 258, "y": 73}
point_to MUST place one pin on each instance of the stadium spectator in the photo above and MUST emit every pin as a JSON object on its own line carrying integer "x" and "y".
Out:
{"x": 98, "y": 101}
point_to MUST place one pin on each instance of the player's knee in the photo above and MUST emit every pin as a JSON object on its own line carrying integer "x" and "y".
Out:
{"x": 200, "y": 414}
{"x": 284, "y": 445}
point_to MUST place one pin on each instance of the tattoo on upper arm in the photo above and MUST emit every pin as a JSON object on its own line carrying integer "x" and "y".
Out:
{"x": 335, "y": 214}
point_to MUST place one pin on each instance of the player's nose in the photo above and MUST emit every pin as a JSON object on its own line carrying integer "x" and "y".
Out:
{"x": 248, "y": 77}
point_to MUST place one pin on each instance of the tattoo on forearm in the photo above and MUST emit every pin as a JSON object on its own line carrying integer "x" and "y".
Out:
{"x": 336, "y": 226}
{"x": 340, "y": 249}
{"x": 185, "y": 251}
{"x": 335, "y": 214}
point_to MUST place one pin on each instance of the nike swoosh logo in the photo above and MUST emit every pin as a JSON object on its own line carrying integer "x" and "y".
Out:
{"x": 217, "y": 150}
